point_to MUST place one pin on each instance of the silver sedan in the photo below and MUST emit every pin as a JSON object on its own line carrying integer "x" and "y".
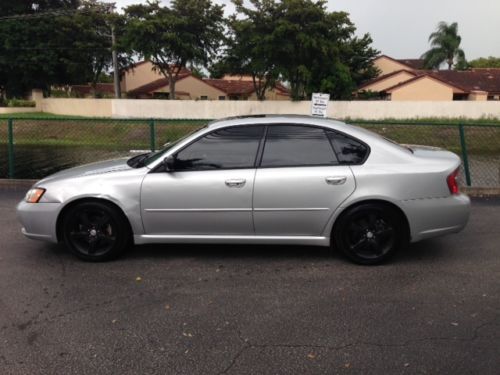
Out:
{"x": 258, "y": 180}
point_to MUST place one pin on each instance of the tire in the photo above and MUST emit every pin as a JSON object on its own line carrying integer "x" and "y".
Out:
{"x": 95, "y": 231}
{"x": 370, "y": 233}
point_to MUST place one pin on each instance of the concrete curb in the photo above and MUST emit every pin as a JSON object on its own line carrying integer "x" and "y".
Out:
{"x": 477, "y": 192}
{"x": 480, "y": 192}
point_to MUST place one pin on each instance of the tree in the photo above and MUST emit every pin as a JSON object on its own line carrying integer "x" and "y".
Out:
{"x": 485, "y": 62}
{"x": 34, "y": 44}
{"x": 350, "y": 57}
{"x": 93, "y": 47}
{"x": 17, "y": 7}
{"x": 300, "y": 42}
{"x": 217, "y": 69}
{"x": 358, "y": 54}
{"x": 190, "y": 31}
{"x": 197, "y": 72}
{"x": 53, "y": 42}
{"x": 445, "y": 47}
{"x": 251, "y": 45}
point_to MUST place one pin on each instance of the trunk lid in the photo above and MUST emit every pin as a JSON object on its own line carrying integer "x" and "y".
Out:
{"x": 435, "y": 153}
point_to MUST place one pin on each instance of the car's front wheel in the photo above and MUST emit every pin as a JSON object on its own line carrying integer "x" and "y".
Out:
{"x": 369, "y": 233}
{"x": 95, "y": 231}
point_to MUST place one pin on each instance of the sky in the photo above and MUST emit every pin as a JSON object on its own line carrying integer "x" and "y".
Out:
{"x": 400, "y": 28}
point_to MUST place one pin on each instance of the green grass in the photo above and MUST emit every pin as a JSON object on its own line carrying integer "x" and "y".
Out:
{"x": 427, "y": 121}
{"x": 480, "y": 140}
{"x": 116, "y": 134}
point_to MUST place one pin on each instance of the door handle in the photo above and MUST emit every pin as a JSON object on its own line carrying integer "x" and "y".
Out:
{"x": 337, "y": 180}
{"x": 236, "y": 182}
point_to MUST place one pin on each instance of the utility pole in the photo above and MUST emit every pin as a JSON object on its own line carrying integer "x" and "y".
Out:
{"x": 116, "y": 69}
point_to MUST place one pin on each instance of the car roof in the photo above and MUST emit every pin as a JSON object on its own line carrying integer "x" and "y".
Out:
{"x": 274, "y": 119}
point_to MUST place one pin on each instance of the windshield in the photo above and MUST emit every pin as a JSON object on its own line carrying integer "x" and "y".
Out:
{"x": 148, "y": 158}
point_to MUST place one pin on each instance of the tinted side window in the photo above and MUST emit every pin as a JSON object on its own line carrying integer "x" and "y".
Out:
{"x": 349, "y": 151}
{"x": 234, "y": 147}
{"x": 295, "y": 145}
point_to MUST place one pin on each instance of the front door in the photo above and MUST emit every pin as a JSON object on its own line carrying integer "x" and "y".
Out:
{"x": 209, "y": 192}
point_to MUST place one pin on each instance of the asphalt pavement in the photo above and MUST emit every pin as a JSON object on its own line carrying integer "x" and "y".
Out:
{"x": 199, "y": 309}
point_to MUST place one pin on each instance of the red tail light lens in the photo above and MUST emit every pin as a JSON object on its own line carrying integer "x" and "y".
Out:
{"x": 451, "y": 180}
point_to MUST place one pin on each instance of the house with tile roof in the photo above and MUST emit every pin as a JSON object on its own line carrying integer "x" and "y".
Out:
{"x": 141, "y": 81}
{"x": 407, "y": 80}
{"x": 386, "y": 64}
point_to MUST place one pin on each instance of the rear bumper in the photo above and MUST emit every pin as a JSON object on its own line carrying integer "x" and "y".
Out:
{"x": 433, "y": 217}
{"x": 39, "y": 220}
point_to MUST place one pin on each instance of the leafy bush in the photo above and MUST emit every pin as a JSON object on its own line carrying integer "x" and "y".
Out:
{"x": 369, "y": 95}
{"x": 65, "y": 94}
{"x": 103, "y": 95}
{"x": 21, "y": 103}
{"x": 58, "y": 94}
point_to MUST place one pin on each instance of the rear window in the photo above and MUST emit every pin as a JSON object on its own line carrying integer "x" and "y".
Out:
{"x": 348, "y": 150}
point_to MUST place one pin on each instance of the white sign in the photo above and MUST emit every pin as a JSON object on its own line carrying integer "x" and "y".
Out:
{"x": 319, "y": 104}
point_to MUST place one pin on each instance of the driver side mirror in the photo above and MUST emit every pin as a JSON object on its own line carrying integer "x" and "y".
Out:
{"x": 169, "y": 163}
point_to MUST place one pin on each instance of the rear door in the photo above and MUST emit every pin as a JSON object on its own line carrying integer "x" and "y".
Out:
{"x": 299, "y": 183}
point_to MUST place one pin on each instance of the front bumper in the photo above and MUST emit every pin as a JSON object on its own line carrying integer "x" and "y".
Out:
{"x": 434, "y": 217}
{"x": 39, "y": 220}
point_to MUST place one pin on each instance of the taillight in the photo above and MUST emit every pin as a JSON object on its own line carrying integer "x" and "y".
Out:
{"x": 451, "y": 180}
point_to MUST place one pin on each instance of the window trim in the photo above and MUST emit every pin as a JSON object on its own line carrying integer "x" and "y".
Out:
{"x": 260, "y": 149}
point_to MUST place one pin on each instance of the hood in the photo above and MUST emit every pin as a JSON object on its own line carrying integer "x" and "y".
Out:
{"x": 99, "y": 168}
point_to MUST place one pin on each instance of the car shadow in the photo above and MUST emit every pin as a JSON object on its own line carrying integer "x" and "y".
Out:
{"x": 425, "y": 251}
{"x": 228, "y": 251}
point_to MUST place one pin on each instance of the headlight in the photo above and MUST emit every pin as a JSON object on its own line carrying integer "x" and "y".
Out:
{"x": 34, "y": 195}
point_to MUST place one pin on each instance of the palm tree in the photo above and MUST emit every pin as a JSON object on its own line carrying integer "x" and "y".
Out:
{"x": 445, "y": 47}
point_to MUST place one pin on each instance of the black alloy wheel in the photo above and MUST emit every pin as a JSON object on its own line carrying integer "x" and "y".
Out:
{"x": 369, "y": 233}
{"x": 95, "y": 231}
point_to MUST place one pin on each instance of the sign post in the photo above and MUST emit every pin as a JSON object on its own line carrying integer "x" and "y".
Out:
{"x": 319, "y": 104}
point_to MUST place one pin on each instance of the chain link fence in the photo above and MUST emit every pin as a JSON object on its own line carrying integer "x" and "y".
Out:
{"x": 32, "y": 148}
{"x": 478, "y": 145}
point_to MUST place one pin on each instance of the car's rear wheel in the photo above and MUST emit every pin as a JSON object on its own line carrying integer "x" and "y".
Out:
{"x": 95, "y": 231}
{"x": 369, "y": 233}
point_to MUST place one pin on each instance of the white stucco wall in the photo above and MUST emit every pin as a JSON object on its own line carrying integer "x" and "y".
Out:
{"x": 77, "y": 107}
{"x": 368, "y": 110}
{"x": 7, "y": 110}
{"x": 204, "y": 109}
{"x": 379, "y": 110}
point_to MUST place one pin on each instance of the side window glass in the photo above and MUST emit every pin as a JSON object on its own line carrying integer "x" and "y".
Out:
{"x": 349, "y": 151}
{"x": 296, "y": 145}
{"x": 228, "y": 148}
